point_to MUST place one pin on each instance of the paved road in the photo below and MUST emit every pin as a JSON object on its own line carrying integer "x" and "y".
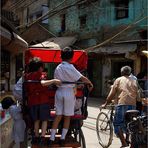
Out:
{"x": 89, "y": 127}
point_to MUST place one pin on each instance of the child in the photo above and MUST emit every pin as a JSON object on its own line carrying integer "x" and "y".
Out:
{"x": 38, "y": 97}
{"x": 17, "y": 90}
{"x": 19, "y": 126}
{"x": 65, "y": 97}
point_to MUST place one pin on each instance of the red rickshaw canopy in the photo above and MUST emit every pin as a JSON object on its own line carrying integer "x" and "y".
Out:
{"x": 53, "y": 56}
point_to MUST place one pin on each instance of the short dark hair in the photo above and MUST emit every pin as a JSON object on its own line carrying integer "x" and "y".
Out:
{"x": 34, "y": 64}
{"x": 7, "y": 102}
{"x": 67, "y": 53}
{"x": 126, "y": 70}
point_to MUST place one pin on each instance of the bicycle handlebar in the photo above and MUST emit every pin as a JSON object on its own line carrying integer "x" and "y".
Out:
{"x": 110, "y": 105}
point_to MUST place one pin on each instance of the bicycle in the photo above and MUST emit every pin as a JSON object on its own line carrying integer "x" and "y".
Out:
{"x": 104, "y": 126}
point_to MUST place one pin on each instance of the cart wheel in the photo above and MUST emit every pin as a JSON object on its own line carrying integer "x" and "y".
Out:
{"x": 80, "y": 138}
{"x": 104, "y": 130}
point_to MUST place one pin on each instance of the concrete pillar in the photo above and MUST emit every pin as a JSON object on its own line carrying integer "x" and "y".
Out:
{"x": 137, "y": 65}
{"x": 106, "y": 73}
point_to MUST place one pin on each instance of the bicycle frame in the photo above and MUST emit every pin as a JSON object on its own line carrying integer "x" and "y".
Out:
{"x": 110, "y": 111}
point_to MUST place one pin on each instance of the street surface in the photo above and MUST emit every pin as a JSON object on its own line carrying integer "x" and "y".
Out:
{"x": 89, "y": 127}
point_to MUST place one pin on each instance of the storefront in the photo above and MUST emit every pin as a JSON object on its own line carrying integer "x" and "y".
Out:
{"x": 105, "y": 63}
{"x": 11, "y": 48}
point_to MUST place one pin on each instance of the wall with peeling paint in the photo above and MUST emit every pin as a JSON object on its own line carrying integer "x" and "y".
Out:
{"x": 101, "y": 24}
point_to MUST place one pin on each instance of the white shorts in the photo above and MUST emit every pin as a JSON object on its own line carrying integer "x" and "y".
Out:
{"x": 65, "y": 101}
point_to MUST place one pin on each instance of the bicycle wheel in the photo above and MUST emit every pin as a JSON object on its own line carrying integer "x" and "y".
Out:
{"x": 104, "y": 130}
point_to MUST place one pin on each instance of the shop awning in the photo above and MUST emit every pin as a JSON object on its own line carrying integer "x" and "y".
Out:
{"x": 115, "y": 49}
{"x": 13, "y": 43}
{"x": 36, "y": 34}
{"x": 56, "y": 42}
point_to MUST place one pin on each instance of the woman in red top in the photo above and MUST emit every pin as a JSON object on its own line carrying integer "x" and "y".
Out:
{"x": 38, "y": 96}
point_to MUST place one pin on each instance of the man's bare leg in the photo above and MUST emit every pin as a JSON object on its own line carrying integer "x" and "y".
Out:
{"x": 122, "y": 139}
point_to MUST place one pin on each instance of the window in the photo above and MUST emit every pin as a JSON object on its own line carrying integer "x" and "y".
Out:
{"x": 38, "y": 14}
{"x": 63, "y": 22}
{"x": 45, "y": 9}
{"x": 5, "y": 70}
{"x": 82, "y": 21}
{"x": 85, "y": 3}
{"x": 121, "y": 9}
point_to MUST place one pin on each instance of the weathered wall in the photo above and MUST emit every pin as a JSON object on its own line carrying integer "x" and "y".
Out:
{"x": 101, "y": 24}
{"x": 100, "y": 15}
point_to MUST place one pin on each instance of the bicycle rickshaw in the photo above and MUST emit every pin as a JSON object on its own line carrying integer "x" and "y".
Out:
{"x": 75, "y": 135}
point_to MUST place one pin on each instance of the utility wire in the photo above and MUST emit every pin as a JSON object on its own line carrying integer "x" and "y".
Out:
{"x": 57, "y": 11}
{"x": 25, "y": 5}
{"x": 84, "y": 2}
{"x": 129, "y": 26}
{"x": 108, "y": 40}
{"x": 62, "y": 9}
{"x": 15, "y": 4}
{"x": 52, "y": 12}
{"x": 46, "y": 14}
{"x": 48, "y": 31}
{"x": 21, "y": 2}
{"x": 9, "y": 24}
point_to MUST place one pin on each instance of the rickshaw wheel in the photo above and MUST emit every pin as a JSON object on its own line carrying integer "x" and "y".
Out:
{"x": 79, "y": 136}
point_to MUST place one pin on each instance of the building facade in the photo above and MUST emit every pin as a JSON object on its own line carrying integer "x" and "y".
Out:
{"x": 28, "y": 12}
{"x": 99, "y": 21}
{"x": 12, "y": 47}
{"x": 114, "y": 32}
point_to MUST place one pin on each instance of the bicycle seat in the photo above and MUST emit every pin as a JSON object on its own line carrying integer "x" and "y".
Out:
{"x": 130, "y": 114}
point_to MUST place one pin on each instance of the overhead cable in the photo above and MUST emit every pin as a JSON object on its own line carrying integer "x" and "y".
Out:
{"x": 108, "y": 40}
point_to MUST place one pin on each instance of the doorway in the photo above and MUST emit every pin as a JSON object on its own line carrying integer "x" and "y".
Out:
{"x": 116, "y": 66}
{"x": 95, "y": 75}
